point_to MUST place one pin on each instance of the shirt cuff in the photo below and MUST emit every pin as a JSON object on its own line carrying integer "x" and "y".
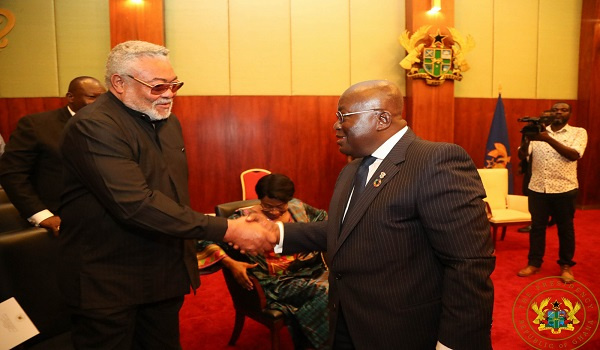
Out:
{"x": 40, "y": 216}
{"x": 278, "y": 249}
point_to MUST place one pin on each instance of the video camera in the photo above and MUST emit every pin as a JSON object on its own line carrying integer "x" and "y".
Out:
{"x": 537, "y": 125}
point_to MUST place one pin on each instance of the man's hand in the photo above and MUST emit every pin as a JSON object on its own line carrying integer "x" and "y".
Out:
{"x": 53, "y": 224}
{"x": 252, "y": 237}
{"x": 541, "y": 136}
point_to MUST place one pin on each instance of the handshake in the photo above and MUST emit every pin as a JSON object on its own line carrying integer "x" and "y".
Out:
{"x": 252, "y": 234}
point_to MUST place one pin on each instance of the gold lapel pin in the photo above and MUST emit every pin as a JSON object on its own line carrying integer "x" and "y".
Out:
{"x": 377, "y": 182}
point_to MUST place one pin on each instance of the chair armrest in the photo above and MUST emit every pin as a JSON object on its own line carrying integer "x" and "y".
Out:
{"x": 516, "y": 202}
{"x": 262, "y": 299}
{"x": 253, "y": 300}
{"x": 488, "y": 210}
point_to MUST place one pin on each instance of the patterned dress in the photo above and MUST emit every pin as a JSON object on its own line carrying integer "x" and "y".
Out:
{"x": 294, "y": 284}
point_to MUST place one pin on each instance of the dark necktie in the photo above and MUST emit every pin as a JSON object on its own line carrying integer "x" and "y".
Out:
{"x": 360, "y": 180}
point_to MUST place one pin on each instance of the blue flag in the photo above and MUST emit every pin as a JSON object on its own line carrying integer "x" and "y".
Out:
{"x": 497, "y": 149}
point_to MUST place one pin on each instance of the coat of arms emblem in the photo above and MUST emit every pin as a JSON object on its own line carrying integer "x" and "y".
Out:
{"x": 556, "y": 319}
{"x": 429, "y": 58}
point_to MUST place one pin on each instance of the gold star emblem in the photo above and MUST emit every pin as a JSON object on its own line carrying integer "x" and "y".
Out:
{"x": 438, "y": 39}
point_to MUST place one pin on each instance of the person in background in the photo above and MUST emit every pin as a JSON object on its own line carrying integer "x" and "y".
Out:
{"x": 525, "y": 169}
{"x": 409, "y": 250}
{"x": 127, "y": 244}
{"x": 2, "y": 144}
{"x": 553, "y": 188}
{"x": 31, "y": 168}
{"x": 294, "y": 284}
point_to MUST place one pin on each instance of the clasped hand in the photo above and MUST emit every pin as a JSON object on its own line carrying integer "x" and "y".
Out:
{"x": 252, "y": 234}
{"x": 53, "y": 224}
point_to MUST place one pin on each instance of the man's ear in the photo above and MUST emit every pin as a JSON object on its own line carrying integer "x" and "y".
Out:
{"x": 384, "y": 120}
{"x": 117, "y": 83}
{"x": 70, "y": 96}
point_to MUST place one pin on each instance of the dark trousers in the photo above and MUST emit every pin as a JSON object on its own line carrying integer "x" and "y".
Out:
{"x": 145, "y": 326}
{"x": 561, "y": 206}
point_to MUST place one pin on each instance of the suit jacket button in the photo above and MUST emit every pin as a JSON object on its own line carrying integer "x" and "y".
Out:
{"x": 338, "y": 276}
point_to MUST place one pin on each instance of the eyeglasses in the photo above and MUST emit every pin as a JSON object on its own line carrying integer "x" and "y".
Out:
{"x": 159, "y": 89}
{"x": 278, "y": 208}
{"x": 342, "y": 116}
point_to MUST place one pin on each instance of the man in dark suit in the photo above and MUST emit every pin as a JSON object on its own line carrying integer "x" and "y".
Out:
{"x": 127, "y": 242}
{"x": 31, "y": 168}
{"x": 410, "y": 261}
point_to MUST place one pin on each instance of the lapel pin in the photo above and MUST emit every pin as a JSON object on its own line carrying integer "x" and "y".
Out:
{"x": 377, "y": 182}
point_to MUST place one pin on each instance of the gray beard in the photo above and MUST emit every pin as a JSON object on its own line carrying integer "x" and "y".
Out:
{"x": 152, "y": 113}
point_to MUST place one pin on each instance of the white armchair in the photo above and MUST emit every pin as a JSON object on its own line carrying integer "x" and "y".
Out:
{"x": 503, "y": 209}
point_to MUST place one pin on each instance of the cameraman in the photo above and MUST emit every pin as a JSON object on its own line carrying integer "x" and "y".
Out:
{"x": 553, "y": 188}
{"x": 525, "y": 169}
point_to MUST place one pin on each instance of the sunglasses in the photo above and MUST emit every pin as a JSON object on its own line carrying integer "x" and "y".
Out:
{"x": 159, "y": 89}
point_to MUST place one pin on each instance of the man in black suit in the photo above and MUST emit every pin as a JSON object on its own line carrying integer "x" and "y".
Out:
{"x": 410, "y": 261}
{"x": 127, "y": 242}
{"x": 2, "y": 144}
{"x": 31, "y": 168}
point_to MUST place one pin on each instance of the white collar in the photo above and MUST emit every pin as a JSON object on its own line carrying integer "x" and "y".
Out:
{"x": 386, "y": 147}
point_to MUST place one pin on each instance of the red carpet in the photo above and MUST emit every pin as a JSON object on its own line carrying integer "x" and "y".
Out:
{"x": 207, "y": 317}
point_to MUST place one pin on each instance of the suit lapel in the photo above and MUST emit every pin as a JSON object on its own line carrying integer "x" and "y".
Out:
{"x": 389, "y": 166}
{"x": 64, "y": 115}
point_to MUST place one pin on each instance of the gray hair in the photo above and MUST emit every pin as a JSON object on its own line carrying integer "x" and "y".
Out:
{"x": 122, "y": 55}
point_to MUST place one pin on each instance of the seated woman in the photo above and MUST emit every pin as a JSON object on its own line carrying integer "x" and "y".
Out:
{"x": 294, "y": 284}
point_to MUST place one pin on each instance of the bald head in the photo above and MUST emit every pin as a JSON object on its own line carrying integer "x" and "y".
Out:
{"x": 370, "y": 112}
{"x": 380, "y": 94}
{"x": 83, "y": 91}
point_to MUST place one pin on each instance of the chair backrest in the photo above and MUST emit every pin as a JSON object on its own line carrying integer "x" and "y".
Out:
{"x": 249, "y": 179}
{"x": 225, "y": 210}
{"x": 495, "y": 183}
{"x": 28, "y": 271}
{"x": 10, "y": 219}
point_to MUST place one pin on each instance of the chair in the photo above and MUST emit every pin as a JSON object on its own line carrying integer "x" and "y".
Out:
{"x": 503, "y": 209}
{"x": 3, "y": 197}
{"x": 225, "y": 210}
{"x": 249, "y": 179}
{"x": 28, "y": 272}
{"x": 249, "y": 303}
{"x": 10, "y": 219}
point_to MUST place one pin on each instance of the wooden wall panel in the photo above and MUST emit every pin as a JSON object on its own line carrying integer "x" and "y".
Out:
{"x": 290, "y": 135}
{"x": 294, "y": 135}
{"x": 12, "y": 109}
{"x": 430, "y": 109}
{"x": 588, "y": 101}
{"x": 136, "y": 21}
